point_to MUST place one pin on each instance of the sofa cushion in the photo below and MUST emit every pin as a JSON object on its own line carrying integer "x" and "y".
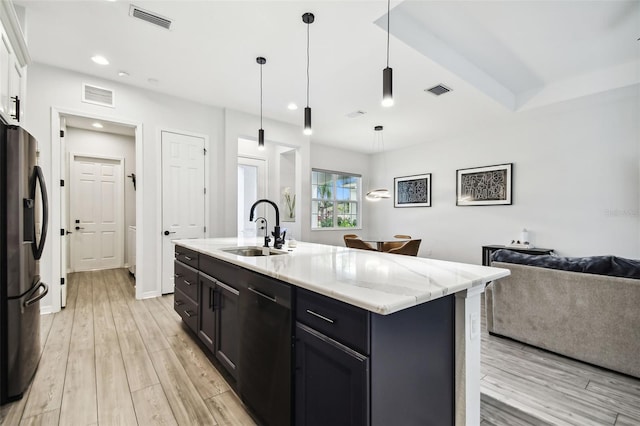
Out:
{"x": 599, "y": 265}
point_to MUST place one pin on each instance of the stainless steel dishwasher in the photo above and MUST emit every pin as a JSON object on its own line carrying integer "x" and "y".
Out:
{"x": 264, "y": 377}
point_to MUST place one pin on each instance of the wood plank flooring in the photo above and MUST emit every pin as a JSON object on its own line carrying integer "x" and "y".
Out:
{"x": 110, "y": 359}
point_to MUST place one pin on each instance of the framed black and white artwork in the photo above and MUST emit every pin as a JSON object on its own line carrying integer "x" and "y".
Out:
{"x": 484, "y": 186}
{"x": 413, "y": 191}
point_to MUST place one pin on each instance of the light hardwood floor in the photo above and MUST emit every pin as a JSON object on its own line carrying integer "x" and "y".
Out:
{"x": 109, "y": 359}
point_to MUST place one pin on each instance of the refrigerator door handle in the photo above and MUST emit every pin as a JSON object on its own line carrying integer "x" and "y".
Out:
{"x": 39, "y": 177}
{"x": 38, "y": 295}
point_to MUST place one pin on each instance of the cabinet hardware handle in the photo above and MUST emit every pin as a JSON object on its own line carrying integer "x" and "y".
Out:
{"x": 187, "y": 282}
{"x": 176, "y": 275}
{"x": 273, "y": 299}
{"x": 188, "y": 258}
{"x": 178, "y": 302}
{"x": 322, "y": 317}
{"x": 188, "y": 313}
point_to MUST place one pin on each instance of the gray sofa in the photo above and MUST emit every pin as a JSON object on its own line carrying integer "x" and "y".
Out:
{"x": 589, "y": 317}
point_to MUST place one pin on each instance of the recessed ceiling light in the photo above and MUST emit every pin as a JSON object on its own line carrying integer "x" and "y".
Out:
{"x": 97, "y": 125}
{"x": 292, "y": 106}
{"x": 100, "y": 60}
{"x": 123, "y": 74}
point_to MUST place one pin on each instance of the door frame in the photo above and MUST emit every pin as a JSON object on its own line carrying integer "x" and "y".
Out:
{"x": 265, "y": 160}
{"x": 56, "y": 202}
{"x": 207, "y": 195}
{"x": 121, "y": 196}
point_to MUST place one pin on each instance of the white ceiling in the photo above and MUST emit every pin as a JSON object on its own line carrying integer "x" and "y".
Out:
{"x": 499, "y": 57}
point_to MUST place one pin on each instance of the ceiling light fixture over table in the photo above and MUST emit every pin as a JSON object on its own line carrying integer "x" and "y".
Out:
{"x": 308, "y": 19}
{"x": 378, "y": 194}
{"x": 100, "y": 60}
{"x": 260, "y": 60}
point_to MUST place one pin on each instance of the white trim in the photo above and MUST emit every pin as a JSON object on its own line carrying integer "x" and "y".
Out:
{"x": 159, "y": 230}
{"x": 121, "y": 210}
{"x": 56, "y": 112}
{"x": 12, "y": 27}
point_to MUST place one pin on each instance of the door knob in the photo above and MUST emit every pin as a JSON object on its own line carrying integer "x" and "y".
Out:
{"x": 78, "y": 228}
{"x": 167, "y": 232}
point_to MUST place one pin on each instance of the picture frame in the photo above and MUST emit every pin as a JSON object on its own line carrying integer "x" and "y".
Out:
{"x": 484, "y": 186}
{"x": 412, "y": 191}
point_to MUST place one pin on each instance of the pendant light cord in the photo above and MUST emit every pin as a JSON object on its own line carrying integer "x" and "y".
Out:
{"x": 308, "y": 65}
{"x": 388, "y": 15}
{"x": 261, "y": 96}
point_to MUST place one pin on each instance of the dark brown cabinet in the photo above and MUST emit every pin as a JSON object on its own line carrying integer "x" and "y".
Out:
{"x": 207, "y": 310}
{"x": 357, "y": 368}
{"x": 302, "y": 358}
{"x": 227, "y": 327}
{"x": 332, "y": 381}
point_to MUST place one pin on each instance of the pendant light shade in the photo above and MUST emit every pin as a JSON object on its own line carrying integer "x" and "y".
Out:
{"x": 387, "y": 73}
{"x": 380, "y": 193}
{"x": 307, "y": 121}
{"x": 387, "y": 87}
{"x": 308, "y": 19}
{"x": 261, "y": 61}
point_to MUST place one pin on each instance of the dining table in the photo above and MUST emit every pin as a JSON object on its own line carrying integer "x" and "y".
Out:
{"x": 380, "y": 241}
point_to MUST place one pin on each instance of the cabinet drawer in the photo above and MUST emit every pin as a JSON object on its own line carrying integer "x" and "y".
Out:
{"x": 187, "y": 309}
{"x": 187, "y": 256}
{"x": 220, "y": 270}
{"x": 186, "y": 280}
{"x": 347, "y": 324}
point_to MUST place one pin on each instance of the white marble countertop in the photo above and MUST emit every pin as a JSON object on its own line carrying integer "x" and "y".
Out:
{"x": 378, "y": 282}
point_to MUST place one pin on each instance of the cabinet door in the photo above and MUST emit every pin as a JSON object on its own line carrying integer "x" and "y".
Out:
{"x": 15, "y": 90}
{"x": 5, "y": 71}
{"x": 207, "y": 317}
{"x": 332, "y": 382}
{"x": 227, "y": 330}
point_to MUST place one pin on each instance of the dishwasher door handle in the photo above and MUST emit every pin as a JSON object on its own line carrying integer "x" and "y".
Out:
{"x": 259, "y": 293}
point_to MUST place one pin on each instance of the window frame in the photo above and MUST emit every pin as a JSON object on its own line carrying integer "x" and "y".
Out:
{"x": 336, "y": 201}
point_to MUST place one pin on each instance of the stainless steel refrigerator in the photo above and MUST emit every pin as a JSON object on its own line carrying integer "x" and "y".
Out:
{"x": 23, "y": 231}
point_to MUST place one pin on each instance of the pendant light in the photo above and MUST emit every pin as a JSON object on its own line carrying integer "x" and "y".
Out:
{"x": 387, "y": 73}
{"x": 260, "y": 60}
{"x": 308, "y": 19}
{"x": 378, "y": 194}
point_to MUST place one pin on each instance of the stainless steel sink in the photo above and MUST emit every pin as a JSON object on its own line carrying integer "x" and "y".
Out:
{"x": 252, "y": 251}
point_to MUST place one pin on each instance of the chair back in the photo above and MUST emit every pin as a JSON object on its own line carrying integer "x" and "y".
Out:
{"x": 410, "y": 248}
{"x": 348, "y": 236}
{"x": 395, "y": 244}
{"x": 358, "y": 244}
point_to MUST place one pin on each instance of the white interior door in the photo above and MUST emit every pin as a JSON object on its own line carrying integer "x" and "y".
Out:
{"x": 252, "y": 186}
{"x": 96, "y": 213}
{"x": 183, "y": 196}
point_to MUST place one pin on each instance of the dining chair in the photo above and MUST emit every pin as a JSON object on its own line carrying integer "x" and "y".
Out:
{"x": 410, "y": 248}
{"x": 348, "y": 236}
{"x": 395, "y": 244}
{"x": 358, "y": 244}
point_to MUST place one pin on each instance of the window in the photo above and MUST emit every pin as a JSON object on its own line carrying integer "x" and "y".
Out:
{"x": 335, "y": 200}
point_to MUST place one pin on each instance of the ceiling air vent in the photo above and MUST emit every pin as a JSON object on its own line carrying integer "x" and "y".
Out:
{"x": 438, "y": 90}
{"x": 150, "y": 17}
{"x": 97, "y": 95}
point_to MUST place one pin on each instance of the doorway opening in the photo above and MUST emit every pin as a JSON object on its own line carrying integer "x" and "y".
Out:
{"x": 98, "y": 159}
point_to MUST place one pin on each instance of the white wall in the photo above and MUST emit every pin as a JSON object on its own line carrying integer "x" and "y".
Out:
{"x": 341, "y": 160}
{"x": 575, "y": 182}
{"x": 50, "y": 87}
{"x": 89, "y": 142}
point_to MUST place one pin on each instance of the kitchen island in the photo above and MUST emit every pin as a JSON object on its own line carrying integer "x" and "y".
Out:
{"x": 383, "y": 338}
